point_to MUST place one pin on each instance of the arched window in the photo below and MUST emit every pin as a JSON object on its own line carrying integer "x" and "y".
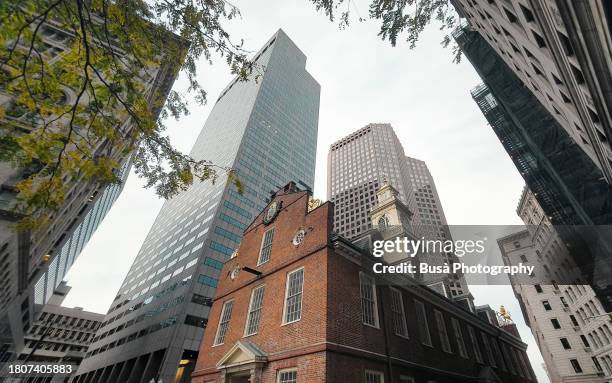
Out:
{"x": 383, "y": 222}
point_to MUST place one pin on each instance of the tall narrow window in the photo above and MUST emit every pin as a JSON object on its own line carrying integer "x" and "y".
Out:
{"x": 266, "y": 247}
{"x": 226, "y": 315}
{"x": 374, "y": 377}
{"x": 475, "y": 345}
{"x": 369, "y": 308}
{"x": 399, "y": 315}
{"x": 459, "y": 338}
{"x": 254, "y": 315}
{"x": 442, "y": 331}
{"x": 423, "y": 324}
{"x": 565, "y": 343}
{"x": 293, "y": 296}
{"x": 487, "y": 346}
{"x": 576, "y": 365}
{"x": 498, "y": 354}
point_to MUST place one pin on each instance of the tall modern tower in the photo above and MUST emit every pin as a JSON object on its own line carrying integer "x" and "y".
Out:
{"x": 267, "y": 131}
{"x": 358, "y": 167}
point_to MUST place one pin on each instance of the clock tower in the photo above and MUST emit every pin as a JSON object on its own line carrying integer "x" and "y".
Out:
{"x": 390, "y": 215}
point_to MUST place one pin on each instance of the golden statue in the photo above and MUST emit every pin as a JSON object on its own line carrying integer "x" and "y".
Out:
{"x": 313, "y": 203}
{"x": 504, "y": 313}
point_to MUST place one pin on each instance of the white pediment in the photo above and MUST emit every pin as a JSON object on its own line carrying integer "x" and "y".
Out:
{"x": 243, "y": 352}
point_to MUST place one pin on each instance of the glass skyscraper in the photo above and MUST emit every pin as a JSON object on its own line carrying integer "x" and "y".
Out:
{"x": 266, "y": 129}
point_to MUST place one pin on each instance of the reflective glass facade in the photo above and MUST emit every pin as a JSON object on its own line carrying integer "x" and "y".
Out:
{"x": 266, "y": 129}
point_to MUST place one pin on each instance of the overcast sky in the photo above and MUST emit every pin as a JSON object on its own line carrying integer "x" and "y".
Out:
{"x": 363, "y": 79}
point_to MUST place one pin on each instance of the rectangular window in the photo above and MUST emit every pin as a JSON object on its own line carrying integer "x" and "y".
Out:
{"x": 266, "y": 247}
{"x": 565, "y": 343}
{"x": 423, "y": 324}
{"x": 254, "y": 315}
{"x": 208, "y": 281}
{"x": 369, "y": 307}
{"x": 441, "y": 324}
{"x": 475, "y": 345}
{"x": 293, "y": 296}
{"x": 374, "y": 377}
{"x": 555, "y": 323}
{"x": 497, "y": 352}
{"x": 576, "y": 366}
{"x": 399, "y": 315}
{"x": 538, "y": 289}
{"x": 546, "y": 305}
{"x": 226, "y": 315}
{"x": 487, "y": 346}
{"x": 196, "y": 321}
{"x": 459, "y": 338}
{"x": 406, "y": 379}
{"x": 287, "y": 376}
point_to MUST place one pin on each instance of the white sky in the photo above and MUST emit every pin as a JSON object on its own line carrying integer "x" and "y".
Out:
{"x": 363, "y": 79}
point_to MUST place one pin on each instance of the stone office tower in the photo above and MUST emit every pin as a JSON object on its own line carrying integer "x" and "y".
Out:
{"x": 267, "y": 131}
{"x": 357, "y": 168}
{"x": 566, "y": 319}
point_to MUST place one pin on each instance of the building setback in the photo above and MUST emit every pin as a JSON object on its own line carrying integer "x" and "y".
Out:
{"x": 298, "y": 303}
{"x": 358, "y": 165}
{"x": 561, "y": 50}
{"x": 59, "y": 335}
{"x": 33, "y": 258}
{"x": 265, "y": 129}
{"x": 566, "y": 319}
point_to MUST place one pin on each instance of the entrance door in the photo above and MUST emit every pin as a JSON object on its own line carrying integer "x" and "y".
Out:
{"x": 240, "y": 378}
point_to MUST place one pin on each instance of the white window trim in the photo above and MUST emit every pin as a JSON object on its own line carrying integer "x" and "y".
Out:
{"x": 248, "y": 317}
{"x": 442, "y": 331}
{"x": 374, "y": 372}
{"x": 261, "y": 246}
{"x": 287, "y": 292}
{"x": 215, "y": 344}
{"x": 407, "y": 378}
{"x": 402, "y": 311}
{"x": 279, "y": 372}
{"x": 421, "y": 306}
{"x": 376, "y": 319}
{"x": 462, "y": 349}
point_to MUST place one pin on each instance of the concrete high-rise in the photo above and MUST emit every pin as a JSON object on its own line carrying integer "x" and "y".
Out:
{"x": 267, "y": 131}
{"x": 59, "y": 335}
{"x": 567, "y": 320}
{"x": 39, "y": 258}
{"x": 562, "y": 53}
{"x": 359, "y": 165}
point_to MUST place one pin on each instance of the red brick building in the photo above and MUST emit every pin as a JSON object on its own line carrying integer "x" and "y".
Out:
{"x": 300, "y": 304}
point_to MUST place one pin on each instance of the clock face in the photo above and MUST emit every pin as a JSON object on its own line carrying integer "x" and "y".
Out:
{"x": 272, "y": 212}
